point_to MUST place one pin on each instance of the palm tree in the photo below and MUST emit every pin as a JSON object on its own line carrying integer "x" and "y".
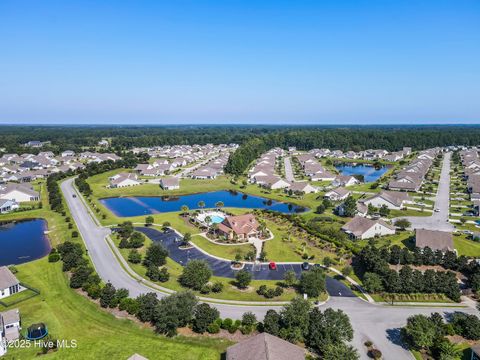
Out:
{"x": 184, "y": 209}
{"x": 219, "y": 204}
{"x": 201, "y": 204}
{"x": 214, "y": 228}
{"x": 208, "y": 220}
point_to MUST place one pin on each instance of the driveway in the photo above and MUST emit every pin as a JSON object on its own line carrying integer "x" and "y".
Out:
{"x": 171, "y": 241}
{"x": 438, "y": 220}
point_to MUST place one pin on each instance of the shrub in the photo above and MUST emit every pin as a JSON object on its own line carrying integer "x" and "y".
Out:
{"x": 375, "y": 354}
{"x": 134, "y": 257}
{"x": 53, "y": 257}
{"x": 217, "y": 287}
{"x": 213, "y": 328}
{"x": 163, "y": 275}
{"x": 205, "y": 289}
{"x": 262, "y": 290}
{"x": 227, "y": 323}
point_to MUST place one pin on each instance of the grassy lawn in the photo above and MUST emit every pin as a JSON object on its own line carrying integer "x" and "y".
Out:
{"x": 223, "y": 251}
{"x": 99, "y": 334}
{"x": 408, "y": 212}
{"x": 69, "y": 315}
{"x": 465, "y": 246}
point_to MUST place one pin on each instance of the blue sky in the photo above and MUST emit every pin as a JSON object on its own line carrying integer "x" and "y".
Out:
{"x": 275, "y": 62}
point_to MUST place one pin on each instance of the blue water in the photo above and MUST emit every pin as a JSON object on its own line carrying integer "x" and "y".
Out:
{"x": 136, "y": 206}
{"x": 23, "y": 241}
{"x": 369, "y": 172}
{"x": 216, "y": 219}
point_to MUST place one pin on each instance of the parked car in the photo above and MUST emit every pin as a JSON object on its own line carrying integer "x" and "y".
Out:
{"x": 74, "y": 196}
{"x": 272, "y": 266}
{"x": 437, "y": 210}
{"x": 305, "y": 266}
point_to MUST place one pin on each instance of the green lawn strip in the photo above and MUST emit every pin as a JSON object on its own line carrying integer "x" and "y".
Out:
{"x": 18, "y": 297}
{"x": 408, "y": 212}
{"x": 99, "y": 334}
{"x": 230, "y": 291}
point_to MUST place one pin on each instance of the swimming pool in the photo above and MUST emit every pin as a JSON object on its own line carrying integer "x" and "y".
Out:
{"x": 215, "y": 219}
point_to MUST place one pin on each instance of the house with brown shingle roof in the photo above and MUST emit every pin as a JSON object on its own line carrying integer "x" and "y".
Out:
{"x": 265, "y": 347}
{"x": 241, "y": 226}
{"x": 394, "y": 200}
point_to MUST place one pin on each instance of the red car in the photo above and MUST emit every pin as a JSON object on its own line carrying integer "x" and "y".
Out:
{"x": 272, "y": 266}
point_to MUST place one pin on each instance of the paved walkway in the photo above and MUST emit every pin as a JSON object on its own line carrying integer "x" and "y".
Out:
{"x": 438, "y": 220}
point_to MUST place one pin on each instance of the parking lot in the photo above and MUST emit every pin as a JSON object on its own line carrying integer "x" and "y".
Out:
{"x": 171, "y": 241}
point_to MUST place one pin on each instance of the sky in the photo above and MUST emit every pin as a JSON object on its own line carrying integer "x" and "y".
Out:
{"x": 240, "y": 62}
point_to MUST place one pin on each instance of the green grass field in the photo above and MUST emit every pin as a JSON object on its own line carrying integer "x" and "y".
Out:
{"x": 99, "y": 334}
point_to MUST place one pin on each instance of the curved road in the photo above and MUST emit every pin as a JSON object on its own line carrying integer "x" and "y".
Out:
{"x": 377, "y": 323}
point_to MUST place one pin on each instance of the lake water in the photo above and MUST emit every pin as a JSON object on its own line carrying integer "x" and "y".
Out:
{"x": 369, "y": 172}
{"x": 136, "y": 206}
{"x": 23, "y": 241}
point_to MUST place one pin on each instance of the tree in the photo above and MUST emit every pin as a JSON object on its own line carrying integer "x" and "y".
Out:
{"x": 195, "y": 274}
{"x": 107, "y": 295}
{"x": 149, "y": 220}
{"x": 249, "y": 319}
{"x": 146, "y": 306}
{"x": 201, "y": 204}
{"x": 184, "y": 210}
{"x": 384, "y": 211}
{"x": 174, "y": 311}
{"x": 243, "y": 278}
{"x": 295, "y": 320}
{"x": 136, "y": 240}
{"x": 403, "y": 223}
{"x": 350, "y": 207}
{"x": 347, "y": 270}
{"x": 271, "y": 322}
{"x": 134, "y": 256}
{"x": 80, "y": 276}
{"x": 219, "y": 204}
{"x": 204, "y": 315}
{"x": 312, "y": 282}
{"x": 328, "y": 328}
{"x": 320, "y": 209}
{"x": 186, "y": 239}
{"x": 340, "y": 351}
{"x": 420, "y": 332}
{"x": 466, "y": 325}
{"x": 290, "y": 278}
{"x": 372, "y": 282}
{"x": 156, "y": 255}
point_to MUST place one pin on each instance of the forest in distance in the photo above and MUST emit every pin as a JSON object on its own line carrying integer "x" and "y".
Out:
{"x": 260, "y": 137}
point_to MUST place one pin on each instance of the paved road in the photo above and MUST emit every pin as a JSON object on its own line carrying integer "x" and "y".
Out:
{"x": 171, "y": 241}
{"x": 374, "y": 322}
{"x": 438, "y": 220}
{"x": 288, "y": 169}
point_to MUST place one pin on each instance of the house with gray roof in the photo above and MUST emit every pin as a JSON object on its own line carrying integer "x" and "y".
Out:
{"x": 363, "y": 228}
{"x": 434, "y": 239}
{"x": 9, "y": 284}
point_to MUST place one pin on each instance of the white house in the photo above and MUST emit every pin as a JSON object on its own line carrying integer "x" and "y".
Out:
{"x": 9, "y": 284}
{"x": 170, "y": 183}
{"x": 345, "y": 180}
{"x": 337, "y": 194}
{"x": 394, "y": 200}
{"x": 10, "y": 326}
{"x": 19, "y": 193}
{"x": 7, "y": 205}
{"x": 363, "y": 228}
{"x": 303, "y": 187}
{"x": 124, "y": 180}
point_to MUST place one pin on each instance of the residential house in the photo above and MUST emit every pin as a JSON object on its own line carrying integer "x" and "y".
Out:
{"x": 434, "y": 239}
{"x": 7, "y": 205}
{"x": 394, "y": 200}
{"x": 10, "y": 326}
{"x": 345, "y": 180}
{"x": 363, "y": 228}
{"x": 302, "y": 187}
{"x": 265, "y": 347}
{"x": 337, "y": 194}
{"x": 241, "y": 227}
{"x": 19, "y": 193}
{"x": 124, "y": 180}
{"x": 9, "y": 284}
{"x": 170, "y": 183}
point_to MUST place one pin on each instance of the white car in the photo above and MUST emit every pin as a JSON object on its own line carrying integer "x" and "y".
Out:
{"x": 437, "y": 210}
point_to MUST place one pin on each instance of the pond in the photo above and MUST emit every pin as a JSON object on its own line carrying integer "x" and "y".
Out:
{"x": 368, "y": 171}
{"x": 23, "y": 241}
{"x": 136, "y": 206}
